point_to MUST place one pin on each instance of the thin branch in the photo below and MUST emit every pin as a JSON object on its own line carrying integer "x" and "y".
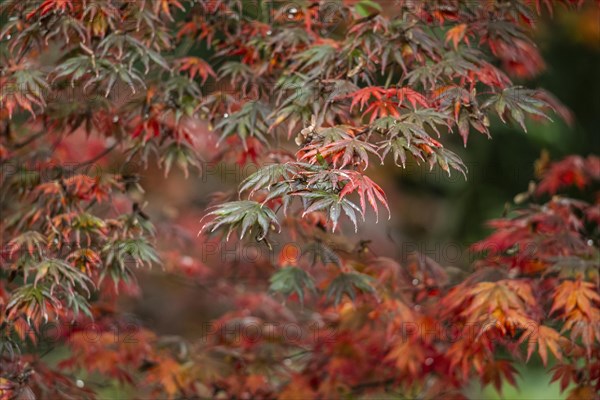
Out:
{"x": 30, "y": 139}
{"x": 96, "y": 158}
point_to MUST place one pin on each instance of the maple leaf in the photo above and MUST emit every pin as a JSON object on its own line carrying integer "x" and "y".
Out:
{"x": 543, "y": 337}
{"x": 101, "y": 16}
{"x": 570, "y": 295}
{"x": 427, "y": 118}
{"x": 505, "y": 303}
{"x": 59, "y": 273}
{"x": 463, "y": 105}
{"x": 408, "y": 357}
{"x": 354, "y": 181}
{"x": 317, "y": 200}
{"x": 347, "y": 283}
{"x": 47, "y": 6}
{"x": 498, "y": 371}
{"x": 384, "y": 103}
{"x": 297, "y": 108}
{"x": 456, "y": 34}
{"x": 492, "y": 76}
{"x": 196, "y": 66}
{"x": 85, "y": 259}
{"x": 245, "y": 214}
{"x": 365, "y": 94}
{"x": 412, "y": 96}
{"x": 453, "y": 64}
{"x": 316, "y": 59}
{"x": 181, "y": 154}
{"x": 342, "y": 152}
{"x": 381, "y": 108}
{"x": 319, "y": 251}
{"x": 33, "y": 241}
{"x": 516, "y": 101}
{"x": 170, "y": 374}
{"x": 572, "y": 170}
{"x": 404, "y": 136}
{"x": 240, "y": 73}
{"x": 566, "y": 373}
{"x": 37, "y": 303}
{"x": 165, "y": 5}
{"x": 447, "y": 159}
{"x": 119, "y": 254}
{"x": 250, "y": 120}
{"x": 270, "y": 175}
{"x": 579, "y": 302}
{"x": 25, "y": 88}
{"x": 292, "y": 280}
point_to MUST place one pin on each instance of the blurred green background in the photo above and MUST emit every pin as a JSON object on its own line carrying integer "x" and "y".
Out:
{"x": 502, "y": 167}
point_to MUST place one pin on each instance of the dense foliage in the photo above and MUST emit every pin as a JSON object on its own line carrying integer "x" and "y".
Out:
{"x": 312, "y": 93}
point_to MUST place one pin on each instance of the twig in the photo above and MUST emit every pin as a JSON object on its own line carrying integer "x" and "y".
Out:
{"x": 96, "y": 158}
{"x": 28, "y": 140}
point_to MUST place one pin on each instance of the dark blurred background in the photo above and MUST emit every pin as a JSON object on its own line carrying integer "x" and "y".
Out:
{"x": 452, "y": 209}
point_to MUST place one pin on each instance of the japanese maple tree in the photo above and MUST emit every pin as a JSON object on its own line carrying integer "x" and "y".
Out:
{"x": 315, "y": 94}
